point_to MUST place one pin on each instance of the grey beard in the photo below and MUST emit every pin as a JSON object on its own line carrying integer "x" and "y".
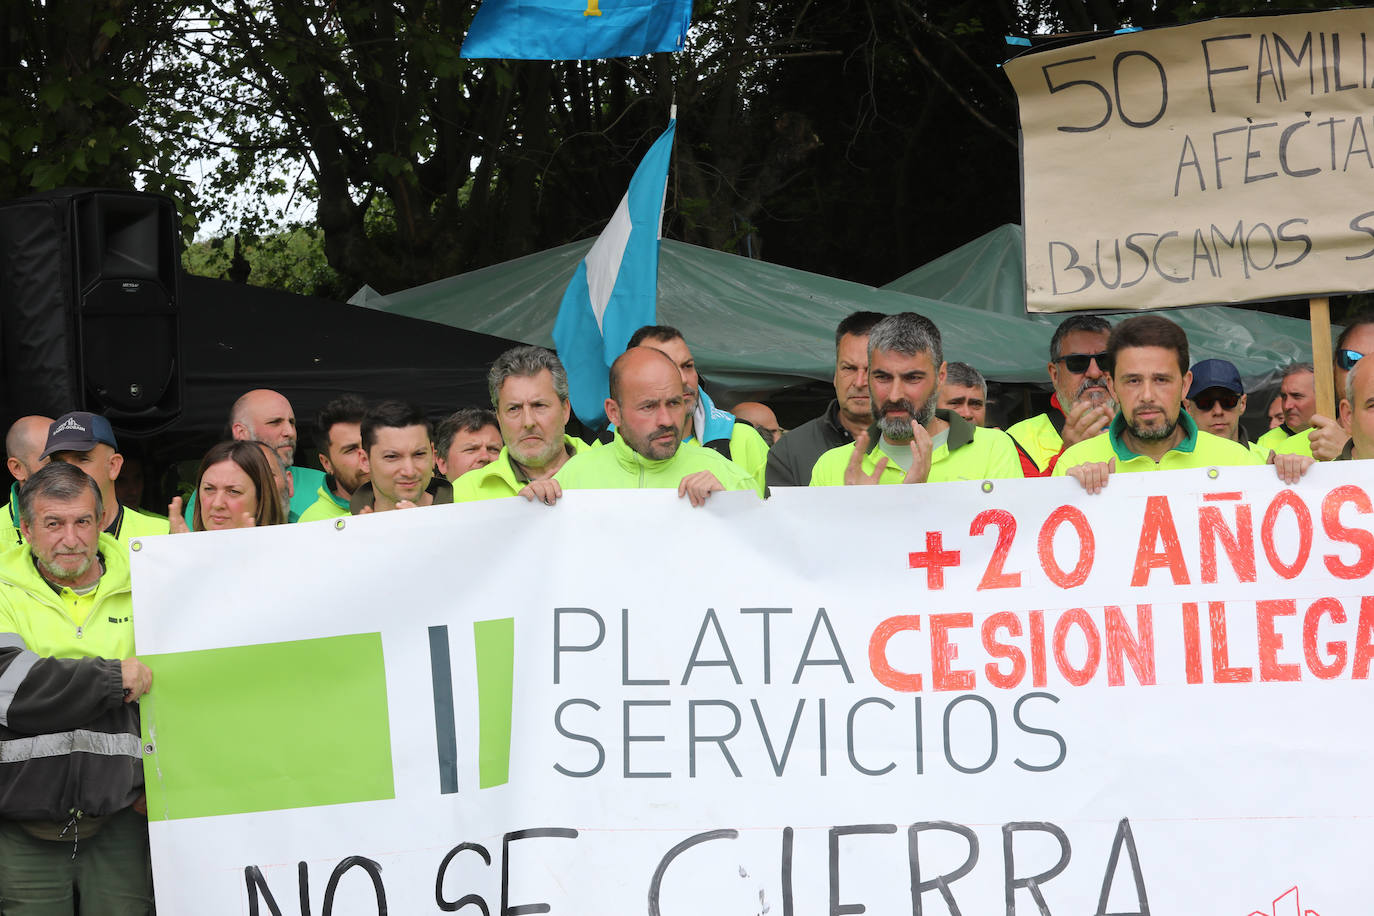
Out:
{"x": 896, "y": 429}
{"x": 902, "y": 430}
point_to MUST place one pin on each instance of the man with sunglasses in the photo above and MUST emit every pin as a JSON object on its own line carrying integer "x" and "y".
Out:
{"x": 1329, "y": 439}
{"x": 1216, "y": 401}
{"x": 1357, "y": 411}
{"x": 1082, "y": 404}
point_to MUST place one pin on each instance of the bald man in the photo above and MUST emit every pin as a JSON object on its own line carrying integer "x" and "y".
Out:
{"x": 264, "y": 415}
{"x": 23, "y": 456}
{"x": 648, "y": 405}
{"x": 762, "y": 418}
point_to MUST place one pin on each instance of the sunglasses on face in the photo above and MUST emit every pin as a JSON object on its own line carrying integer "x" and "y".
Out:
{"x": 1207, "y": 401}
{"x": 1078, "y": 363}
{"x": 1346, "y": 359}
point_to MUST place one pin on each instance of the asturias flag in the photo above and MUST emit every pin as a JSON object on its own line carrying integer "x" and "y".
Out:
{"x": 576, "y": 29}
{"x": 615, "y": 290}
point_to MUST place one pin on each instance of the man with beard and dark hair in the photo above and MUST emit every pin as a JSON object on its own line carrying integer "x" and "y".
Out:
{"x": 912, "y": 441}
{"x": 340, "y": 447}
{"x": 1082, "y": 404}
{"x": 1151, "y": 431}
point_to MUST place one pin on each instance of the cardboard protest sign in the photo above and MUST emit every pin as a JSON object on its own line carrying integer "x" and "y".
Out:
{"x": 950, "y": 698}
{"x": 1224, "y": 161}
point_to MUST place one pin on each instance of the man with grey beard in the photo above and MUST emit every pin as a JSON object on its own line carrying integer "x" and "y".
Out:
{"x": 1082, "y": 404}
{"x": 911, "y": 441}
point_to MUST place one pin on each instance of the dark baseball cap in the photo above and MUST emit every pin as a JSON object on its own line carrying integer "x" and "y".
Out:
{"x": 78, "y": 431}
{"x": 1215, "y": 373}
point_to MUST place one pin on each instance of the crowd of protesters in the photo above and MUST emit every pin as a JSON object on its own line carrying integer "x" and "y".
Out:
{"x": 73, "y": 826}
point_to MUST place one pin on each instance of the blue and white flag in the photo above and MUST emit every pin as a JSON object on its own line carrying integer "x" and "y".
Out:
{"x": 615, "y": 290}
{"x": 576, "y": 29}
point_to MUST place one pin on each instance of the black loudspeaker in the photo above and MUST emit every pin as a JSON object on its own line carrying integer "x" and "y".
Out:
{"x": 89, "y": 307}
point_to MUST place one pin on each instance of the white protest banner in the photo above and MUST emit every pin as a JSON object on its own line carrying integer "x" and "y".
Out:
{"x": 945, "y": 699}
{"x": 1224, "y": 161}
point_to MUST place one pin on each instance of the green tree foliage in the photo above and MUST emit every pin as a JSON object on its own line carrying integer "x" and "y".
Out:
{"x": 292, "y": 260}
{"x": 850, "y": 139}
{"x": 87, "y": 96}
{"x": 857, "y": 140}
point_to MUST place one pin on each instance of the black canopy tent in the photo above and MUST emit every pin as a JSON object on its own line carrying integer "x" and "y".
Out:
{"x": 236, "y": 337}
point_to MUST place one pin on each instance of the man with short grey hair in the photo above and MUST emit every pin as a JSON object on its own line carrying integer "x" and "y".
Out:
{"x": 73, "y": 821}
{"x": 1299, "y": 393}
{"x": 529, "y": 394}
{"x": 965, "y": 392}
{"x": 913, "y": 441}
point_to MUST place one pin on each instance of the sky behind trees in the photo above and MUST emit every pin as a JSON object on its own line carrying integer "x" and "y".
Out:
{"x": 856, "y": 140}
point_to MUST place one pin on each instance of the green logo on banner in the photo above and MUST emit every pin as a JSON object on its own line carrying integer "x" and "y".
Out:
{"x": 267, "y": 727}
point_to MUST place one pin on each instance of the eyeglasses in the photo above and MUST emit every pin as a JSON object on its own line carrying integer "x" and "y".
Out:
{"x": 1346, "y": 359}
{"x": 1078, "y": 362}
{"x": 1206, "y": 401}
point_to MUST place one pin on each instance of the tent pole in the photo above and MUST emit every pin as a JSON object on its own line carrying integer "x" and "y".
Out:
{"x": 1319, "y": 309}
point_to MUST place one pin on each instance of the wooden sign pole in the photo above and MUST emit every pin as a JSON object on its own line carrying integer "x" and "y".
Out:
{"x": 1320, "y": 315}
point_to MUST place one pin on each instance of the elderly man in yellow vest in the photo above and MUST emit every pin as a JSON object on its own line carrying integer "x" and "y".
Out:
{"x": 72, "y": 820}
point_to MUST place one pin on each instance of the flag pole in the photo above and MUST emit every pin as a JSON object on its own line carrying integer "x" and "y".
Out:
{"x": 1319, "y": 314}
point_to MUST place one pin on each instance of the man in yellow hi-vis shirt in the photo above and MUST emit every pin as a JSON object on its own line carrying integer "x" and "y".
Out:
{"x": 72, "y": 821}
{"x": 1147, "y": 356}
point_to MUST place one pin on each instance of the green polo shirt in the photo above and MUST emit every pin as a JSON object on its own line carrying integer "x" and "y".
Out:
{"x": 1197, "y": 449}
{"x": 326, "y": 504}
{"x": 968, "y": 453}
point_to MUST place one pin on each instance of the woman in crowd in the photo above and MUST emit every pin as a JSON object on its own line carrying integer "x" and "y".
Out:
{"x": 234, "y": 489}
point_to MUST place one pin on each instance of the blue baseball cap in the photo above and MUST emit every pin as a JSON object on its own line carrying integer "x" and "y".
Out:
{"x": 1215, "y": 373}
{"x": 79, "y": 431}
